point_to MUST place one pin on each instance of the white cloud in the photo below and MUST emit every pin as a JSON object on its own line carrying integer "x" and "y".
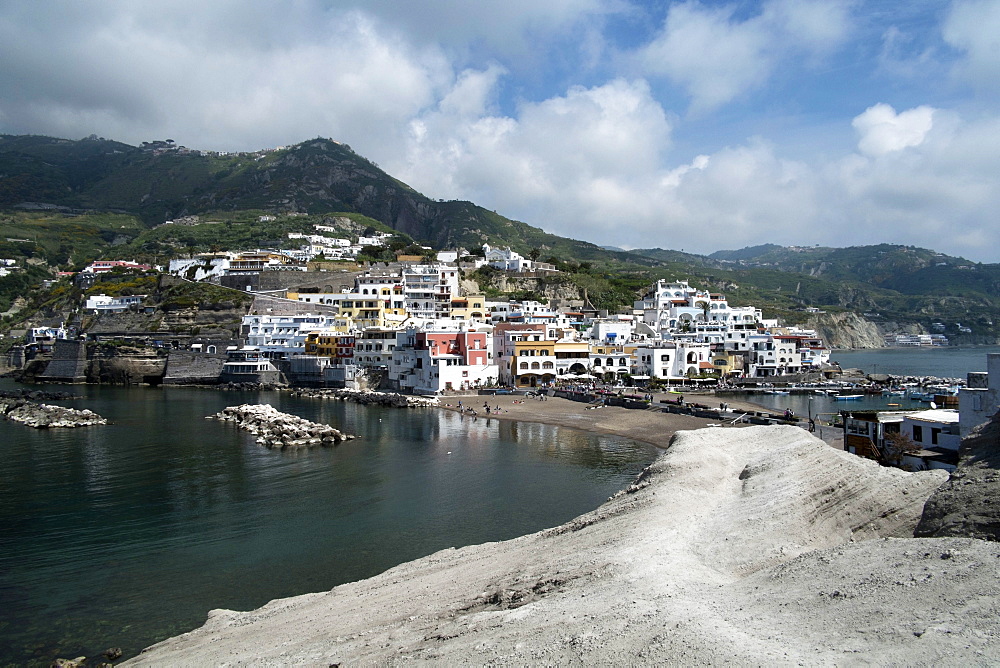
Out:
{"x": 128, "y": 74}
{"x": 973, "y": 26}
{"x": 574, "y": 159}
{"x": 883, "y": 131}
{"x": 443, "y": 95}
{"x": 717, "y": 57}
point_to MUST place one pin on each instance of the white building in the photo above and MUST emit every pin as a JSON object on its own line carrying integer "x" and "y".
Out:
{"x": 772, "y": 355}
{"x": 980, "y": 399}
{"x": 675, "y": 306}
{"x": 614, "y": 330}
{"x": 435, "y": 362}
{"x": 937, "y": 433}
{"x": 105, "y": 304}
{"x": 506, "y": 259}
{"x": 428, "y": 290}
{"x": 280, "y": 336}
{"x": 678, "y": 359}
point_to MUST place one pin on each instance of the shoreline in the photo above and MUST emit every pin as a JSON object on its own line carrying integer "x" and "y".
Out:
{"x": 733, "y": 546}
{"x": 647, "y": 426}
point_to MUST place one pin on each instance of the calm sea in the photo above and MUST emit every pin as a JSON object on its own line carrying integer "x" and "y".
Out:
{"x": 943, "y": 362}
{"x": 126, "y": 534}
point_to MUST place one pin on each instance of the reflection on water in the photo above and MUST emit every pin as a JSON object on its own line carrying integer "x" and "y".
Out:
{"x": 129, "y": 533}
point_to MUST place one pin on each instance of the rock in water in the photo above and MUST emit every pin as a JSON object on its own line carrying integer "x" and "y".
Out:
{"x": 44, "y": 416}
{"x": 275, "y": 429}
{"x": 967, "y": 504}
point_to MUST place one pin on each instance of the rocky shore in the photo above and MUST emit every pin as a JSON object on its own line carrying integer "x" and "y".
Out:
{"x": 369, "y": 397}
{"x": 275, "y": 429}
{"x": 758, "y": 545}
{"x": 47, "y": 416}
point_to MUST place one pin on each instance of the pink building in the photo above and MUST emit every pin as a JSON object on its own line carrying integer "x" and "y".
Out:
{"x": 433, "y": 362}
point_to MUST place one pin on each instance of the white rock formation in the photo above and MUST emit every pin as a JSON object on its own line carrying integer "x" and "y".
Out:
{"x": 48, "y": 416}
{"x": 753, "y": 546}
{"x": 275, "y": 429}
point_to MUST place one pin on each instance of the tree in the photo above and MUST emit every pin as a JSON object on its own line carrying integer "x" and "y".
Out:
{"x": 895, "y": 446}
{"x": 533, "y": 254}
{"x": 705, "y": 308}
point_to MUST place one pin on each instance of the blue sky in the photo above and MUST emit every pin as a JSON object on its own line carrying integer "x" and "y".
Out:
{"x": 688, "y": 125}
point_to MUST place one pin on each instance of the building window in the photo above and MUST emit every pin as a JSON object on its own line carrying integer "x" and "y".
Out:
{"x": 918, "y": 433}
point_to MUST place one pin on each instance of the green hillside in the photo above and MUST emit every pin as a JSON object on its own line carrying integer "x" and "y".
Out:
{"x": 161, "y": 181}
{"x": 67, "y": 202}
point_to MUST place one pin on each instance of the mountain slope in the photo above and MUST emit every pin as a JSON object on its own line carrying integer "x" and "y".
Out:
{"x": 162, "y": 181}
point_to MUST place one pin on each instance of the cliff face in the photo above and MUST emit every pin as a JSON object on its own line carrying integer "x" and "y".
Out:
{"x": 850, "y": 330}
{"x": 216, "y": 323}
{"x": 846, "y": 330}
{"x": 548, "y": 287}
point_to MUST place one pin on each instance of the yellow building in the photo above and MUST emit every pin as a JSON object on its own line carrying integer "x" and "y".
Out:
{"x": 571, "y": 357}
{"x": 371, "y": 312}
{"x": 533, "y": 363}
{"x": 469, "y": 307}
{"x": 727, "y": 363}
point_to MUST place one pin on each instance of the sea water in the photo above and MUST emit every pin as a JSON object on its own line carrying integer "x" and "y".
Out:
{"x": 940, "y": 362}
{"x": 129, "y": 533}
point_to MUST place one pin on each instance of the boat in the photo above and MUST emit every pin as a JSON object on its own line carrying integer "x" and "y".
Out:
{"x": 847, "y": 397}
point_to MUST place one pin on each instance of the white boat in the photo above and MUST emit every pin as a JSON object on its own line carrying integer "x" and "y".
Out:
{"x": 847, "y": 397}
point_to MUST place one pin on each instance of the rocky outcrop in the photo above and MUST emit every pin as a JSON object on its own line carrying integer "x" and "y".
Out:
{"x": 125, "y": 365}
{"x": 370, "y": 397}
{"x": 275, "y": 429}
{"x": 46, "y": 416}
{"x": 850, "y": 330}
{"x": 756, "y": 546}
{"x": 846, "y": 330}
{"x": 967, "y": 505}
{"x": 554, "y": 286}
{"x": 193, "y": 368}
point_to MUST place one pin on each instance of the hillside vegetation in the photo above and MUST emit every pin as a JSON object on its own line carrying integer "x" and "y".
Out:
{"x": 64, "y": 203}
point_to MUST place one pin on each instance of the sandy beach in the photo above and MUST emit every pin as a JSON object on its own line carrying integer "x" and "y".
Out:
{"x": 649, "y": 426}
{"x": 749, "y": 545}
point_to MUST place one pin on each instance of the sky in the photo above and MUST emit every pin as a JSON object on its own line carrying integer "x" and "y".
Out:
{"x": 695, "y": 125}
